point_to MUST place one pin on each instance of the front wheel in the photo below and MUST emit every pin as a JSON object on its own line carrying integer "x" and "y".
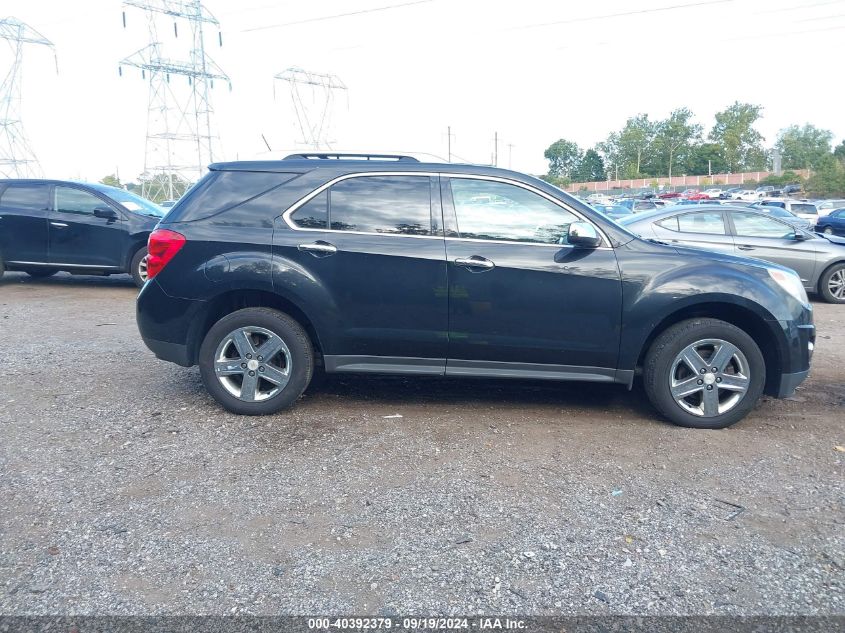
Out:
{"x": 138, "y": 267}
{"x": 256, "y": 361}
{"x": 704, "y": 374}
{"x": 827, "y": 230}
{"x": 832, "y": 284}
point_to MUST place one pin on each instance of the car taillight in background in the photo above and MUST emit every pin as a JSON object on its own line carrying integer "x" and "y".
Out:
{"x": 161, "y": 247}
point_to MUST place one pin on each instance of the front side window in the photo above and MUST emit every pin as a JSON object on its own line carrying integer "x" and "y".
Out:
{"x": 490, "y": 210}
{"x": 26, "y": 197}
{"x": 702, "y": 222}
{"x": 69, "y": 200}
{"x": 381, "y": 204}
{"x": 755, "y": 225}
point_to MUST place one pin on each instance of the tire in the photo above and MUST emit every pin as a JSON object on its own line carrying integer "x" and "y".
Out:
{"x": 738, "y": 383}
{"x": 41, "y": 273}
{"x": 292, "y": 365}
{"x": 2, "y": 268}
{"x": 832, "y": 284}
{"x": 138, "y": 267}
{"x": 827, "y": 230}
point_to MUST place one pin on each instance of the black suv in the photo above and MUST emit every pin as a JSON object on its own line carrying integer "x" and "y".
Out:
{"x": 266, "y": 270}
{"x": 52, "y": 225}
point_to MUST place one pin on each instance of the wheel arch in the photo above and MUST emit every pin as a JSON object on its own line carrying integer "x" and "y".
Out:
{"x": 824, "y": 271}
{"x": 743, "y": 317}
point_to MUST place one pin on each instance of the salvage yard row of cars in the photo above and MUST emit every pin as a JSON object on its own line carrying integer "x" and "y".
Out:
{"x": 266, "y": 272}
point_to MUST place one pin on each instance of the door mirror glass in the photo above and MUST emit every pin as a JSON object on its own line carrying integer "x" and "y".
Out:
{"x": 583, "y": 235}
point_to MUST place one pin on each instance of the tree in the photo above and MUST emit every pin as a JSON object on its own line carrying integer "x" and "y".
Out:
{"x": 742, "y": 145}
{"x": 675, "y": 138}
{"x": 634, "y": 141}
{"x": 608, "y": 150}
{"x": 839, "y": 152}
{"x": 803, "y": 147}
{"x": 590, "y": 168}
{"x": 161, "y": 187}
{"x": 706, "y": 158}
{"x": 563, "y": 156}
{"x": 828, "y": 179}
{"x": 112, "y": 181}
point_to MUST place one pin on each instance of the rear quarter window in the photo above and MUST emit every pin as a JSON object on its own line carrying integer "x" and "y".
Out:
{"x": 220, "y": 191}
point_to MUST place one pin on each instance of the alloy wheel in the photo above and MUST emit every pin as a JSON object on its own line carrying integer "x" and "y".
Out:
{"x": 253, "y": 364}
{"x": 836, "y": 284}
{"x": 709, "y": 377}
{"x": 142, "y": 268}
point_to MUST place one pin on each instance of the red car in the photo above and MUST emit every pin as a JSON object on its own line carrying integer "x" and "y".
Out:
{"x": 694, "y": 194}
{"x": 669, "y": 195}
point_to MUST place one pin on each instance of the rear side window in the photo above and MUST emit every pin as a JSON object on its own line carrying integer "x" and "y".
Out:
{"x": 382, "y": 204}
{"x": 313, "y": 214}
{"x": 702, "y": 222}
{"x": 222, "y": 190}
{"x": 27, "y": 197}
{"x": 807, "y": 209}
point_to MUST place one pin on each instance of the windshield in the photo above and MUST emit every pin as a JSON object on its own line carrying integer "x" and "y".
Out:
{"x": 130, "y": 201}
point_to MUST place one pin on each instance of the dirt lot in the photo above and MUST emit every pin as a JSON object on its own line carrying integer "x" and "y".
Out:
{"x": 126, "y": 490}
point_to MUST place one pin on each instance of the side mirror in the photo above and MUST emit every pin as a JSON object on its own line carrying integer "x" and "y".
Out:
{"x": 105, "y": 213}
{"x": 798, "y": 236}
{"x": 583, "y": 235}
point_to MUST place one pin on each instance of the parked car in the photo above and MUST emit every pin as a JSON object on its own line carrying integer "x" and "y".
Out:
{"x": 783, "y": 214}
{"x": 748, "y": 194}
{"x": 833, "y": 223}
{"x": 819, "y": 261}
{"x": 669, "y": 195}
{"x": 805, "y": 210}
{"x": 637, "y": 206}
{"x": 791, "y": 188}
{"x": 768, "y": 190}
{"x": 612, "y": 210}
{"x": 167, "y": 204}
{"x": 713, "y": 193}
{"x": 47, "y": 226}
{"x": 728, "y": 194}
{"x": 826, "y": 206}
{"x": 266, "y": 270}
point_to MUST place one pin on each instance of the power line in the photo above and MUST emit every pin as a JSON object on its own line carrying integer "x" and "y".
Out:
{"x": 335, "y": 16}
{"x": 622, "y": 14}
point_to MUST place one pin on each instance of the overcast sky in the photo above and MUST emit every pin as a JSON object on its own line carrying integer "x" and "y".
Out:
{"x": 533, "y": 71}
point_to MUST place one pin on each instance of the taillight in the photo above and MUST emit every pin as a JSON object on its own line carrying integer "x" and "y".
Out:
{"x": 161, "y": 247}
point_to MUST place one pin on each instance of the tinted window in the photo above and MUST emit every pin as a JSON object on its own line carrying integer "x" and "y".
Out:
{"x": 807, "y": 209}
{"x": 771, "y": 203}
{"x": 382, "y": 204}
{"x": 222, "y": 190}
{"x": 839, "y": 213}
{"x": 69, "y": 200}
{"x": 314, "y": 213}
{"x": 702, "y": 222}
{"x": 669, "y": 223}
{"x": 498, "y": 211}
{"x": 755, "y": 225}
{"x": 31, "y": 197}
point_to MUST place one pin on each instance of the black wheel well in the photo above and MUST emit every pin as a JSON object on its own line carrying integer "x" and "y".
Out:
{"x": 825, "y": 271}
{"x": 130, "y": 253}
{"x": 229, "y": 302}
{"x": 743, "y": 318}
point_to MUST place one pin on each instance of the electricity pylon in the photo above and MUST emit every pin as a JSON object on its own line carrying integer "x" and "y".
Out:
{"x": 17, "y": 160}
{"x": 313, "y": 103}
{"x": 181, "y": 140}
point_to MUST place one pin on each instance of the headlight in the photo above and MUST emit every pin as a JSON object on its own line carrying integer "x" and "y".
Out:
{"x": 790, "y": 282}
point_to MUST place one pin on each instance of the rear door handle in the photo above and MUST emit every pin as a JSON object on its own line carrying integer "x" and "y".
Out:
{"x": 745, "y": 247}
{"x": 476, "y": 261}
{"x": 318, "y": 249}
{"x": 59, "y": 225}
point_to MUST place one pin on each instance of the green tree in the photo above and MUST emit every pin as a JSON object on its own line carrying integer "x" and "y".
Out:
{"x": 634, "y": 142}
{"x": 706, "y": 158}
{"x": 161, "y": 187}
{"x": 803, "y": 147}
{"x": 557, "y": 181}
{"x": 563, "y": 156}
{"x": 742, "y": 145}
{"x": 608, "y": 150}
{"x": 675, "y": 138}
{"x": 839, "y": 152}
{"x": 828, "y": 179}
{"x": 112, "y": 181}
{"x": 590, "y": 168}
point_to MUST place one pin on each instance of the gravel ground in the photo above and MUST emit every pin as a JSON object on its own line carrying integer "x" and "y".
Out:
{"x": 126, "y": 490}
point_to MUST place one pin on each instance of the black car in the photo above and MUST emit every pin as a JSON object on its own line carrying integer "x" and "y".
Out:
{"x": 832, "y": 224}
{"x": 266, "y": 271}
{"x": 52, "y": 225}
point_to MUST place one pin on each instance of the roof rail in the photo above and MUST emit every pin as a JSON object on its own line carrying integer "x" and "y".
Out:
{"x": 336, "y": 156}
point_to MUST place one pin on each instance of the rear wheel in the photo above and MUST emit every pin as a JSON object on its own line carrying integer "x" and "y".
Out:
{"x": 832, "y": 284}
{"x": 40, "y": 273}
{"x": 827, "y": 230}
{"x": 704, "y": 373}
{"x": 256, "y": 361}
{"x": 138, "y": 267}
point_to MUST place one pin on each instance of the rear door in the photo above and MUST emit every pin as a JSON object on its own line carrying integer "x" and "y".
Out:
{"x": 767, "y": 238}
{"x": 79, "y": 237}
{"x": 523, "y": 302}
{"x": 23, "y": 222}
{"x": 702, "y": 229}
{"x": 374, "y": 244}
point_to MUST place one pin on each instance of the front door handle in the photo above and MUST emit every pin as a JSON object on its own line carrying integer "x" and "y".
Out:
{"x": 318, "y": 249}
{"x": 59, "y": 225}
{"x": 745, "y": 247}
{"x": 476, "y": 261}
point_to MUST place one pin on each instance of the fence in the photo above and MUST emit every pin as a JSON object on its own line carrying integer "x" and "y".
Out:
{"x": 736, "y": 180}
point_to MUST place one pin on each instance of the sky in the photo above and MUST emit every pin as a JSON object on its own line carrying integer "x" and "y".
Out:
{"x": 530, "y": 72}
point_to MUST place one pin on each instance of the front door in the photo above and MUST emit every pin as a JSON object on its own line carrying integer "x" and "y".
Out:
{"x": 23, "y": 222}
{"x": 374, "y": 248}
{"x": 763, "y": 237}
{"x": 523, "y": 302}
{"x": 79, "y": 236}
{"x": 701, "y": 229}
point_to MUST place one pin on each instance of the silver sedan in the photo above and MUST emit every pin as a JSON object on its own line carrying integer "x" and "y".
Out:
{"x": 818, "y": 259}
